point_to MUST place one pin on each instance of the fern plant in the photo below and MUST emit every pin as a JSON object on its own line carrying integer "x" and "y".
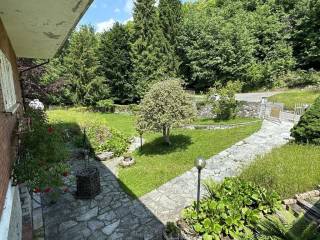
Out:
{"x": 286, "y": 227}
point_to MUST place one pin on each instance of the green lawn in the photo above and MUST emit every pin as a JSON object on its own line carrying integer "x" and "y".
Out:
{"x": 157, "y": 163}
{"x": 290, "y": 98}
{"x": 288, "y": 170}
{"x": 121, "y": 122}
{"x": 237, "y": 120}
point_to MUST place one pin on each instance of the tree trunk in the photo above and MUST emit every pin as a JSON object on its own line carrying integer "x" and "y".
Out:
{"x": 166, "y": 133}
{"x": 140, "y": 142}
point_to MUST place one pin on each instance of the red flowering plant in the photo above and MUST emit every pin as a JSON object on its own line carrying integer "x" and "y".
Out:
{"x": 42, "y": 158}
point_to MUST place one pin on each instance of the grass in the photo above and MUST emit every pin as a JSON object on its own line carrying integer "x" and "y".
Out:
{"x": 157, "y": 163}
{"x": 121, "y": 122}
{"x": 288, "y": 170}
{"x": 237, "y": 120}
{"x": 290, "y": 98}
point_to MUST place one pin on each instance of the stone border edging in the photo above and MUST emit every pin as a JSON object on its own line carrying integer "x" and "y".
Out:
{"x": 218, "y": 126}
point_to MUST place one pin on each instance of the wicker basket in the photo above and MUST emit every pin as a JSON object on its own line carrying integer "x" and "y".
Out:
{"x": 88, "y": 183}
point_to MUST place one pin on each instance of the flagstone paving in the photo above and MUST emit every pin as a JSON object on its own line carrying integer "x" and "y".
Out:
{"x": 168, "y": 200}
{"x": 113, "y": 214}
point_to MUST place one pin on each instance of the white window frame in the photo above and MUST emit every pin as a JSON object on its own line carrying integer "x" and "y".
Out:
{"x": 7, "y": 84}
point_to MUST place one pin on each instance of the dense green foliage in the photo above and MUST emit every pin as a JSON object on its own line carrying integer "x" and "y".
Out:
{"x": 263, "y": 44}
{"x": 285, "y": 226}
{"x": 166, "y": 105}
{"x": 308, "y": 128}
{"x": 102, "y": 138}
{"x": 86, "y": 85}
{"x": 152, "y": 55}
{"x": 231, "y": 208}
{"x": 41, "y": 161}
{"x": 229, "y": 40}
{"x": 223, "y": 100}
{"x": 306, "y": 42}
{"x": 116, "y": 63}
{"x": 288, "y": 170}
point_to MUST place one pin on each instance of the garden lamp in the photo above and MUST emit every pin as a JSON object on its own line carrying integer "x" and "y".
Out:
{"x": 199, "y": 163}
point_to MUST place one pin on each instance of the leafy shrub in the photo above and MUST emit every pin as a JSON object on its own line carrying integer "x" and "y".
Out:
{"x": 41, "y": 163}
{"x": 308, "y": 128}
{"x": 286, "y": 226}
{"x": 130, "y": 108}
{"x": 103, "y": 138}
{"x": 223, "y": 101}
{"x": 166, "y": 105}
{"x": 231, "y": 209}
{"x": 105, "y": 105}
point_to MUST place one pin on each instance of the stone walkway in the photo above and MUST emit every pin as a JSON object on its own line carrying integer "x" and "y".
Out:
{"x": 113, "y": 214}
{"x": 168, "y": 200}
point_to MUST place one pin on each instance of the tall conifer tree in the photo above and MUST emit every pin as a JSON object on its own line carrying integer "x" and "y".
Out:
{"x": 151, "y": 53}
{"x": 82, "y": 64}
{"x": 170, "y": 15}
{"x": 116, "y": 63}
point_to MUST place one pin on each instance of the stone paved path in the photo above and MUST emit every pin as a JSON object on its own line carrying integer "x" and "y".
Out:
{"x": 113, "y": 214}
{"x": 168, "y": 200}
{"x": 254, "y": 97}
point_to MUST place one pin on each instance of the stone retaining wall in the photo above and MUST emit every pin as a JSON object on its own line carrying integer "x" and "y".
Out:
{"x": 245, "y": 109}
{"x": 249, "y": 109}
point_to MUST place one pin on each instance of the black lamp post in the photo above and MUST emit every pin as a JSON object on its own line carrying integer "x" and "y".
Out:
{"x": 199, "y": 163}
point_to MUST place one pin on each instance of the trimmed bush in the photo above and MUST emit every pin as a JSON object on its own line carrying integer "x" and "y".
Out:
{"x": 105, "y": 105}
{"x": 308, "y": 128}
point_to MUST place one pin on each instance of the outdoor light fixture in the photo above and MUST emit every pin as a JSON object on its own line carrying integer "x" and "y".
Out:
{"x": 200, "y": 164}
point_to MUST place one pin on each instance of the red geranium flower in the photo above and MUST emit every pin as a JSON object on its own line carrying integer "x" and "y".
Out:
{"x": 47, "y": 190}
{"x": 50, "y": 130}
{"x": 36, "y": 190}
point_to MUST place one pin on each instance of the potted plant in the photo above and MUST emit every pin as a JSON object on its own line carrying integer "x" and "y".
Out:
{"x": 171, "y": 232}
{"x": 127, "y": 161}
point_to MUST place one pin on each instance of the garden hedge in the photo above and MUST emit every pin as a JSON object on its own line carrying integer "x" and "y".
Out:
{"x": 308, "y": 128}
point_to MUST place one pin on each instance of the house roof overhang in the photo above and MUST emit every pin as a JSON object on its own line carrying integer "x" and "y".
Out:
{"x": 39, "y": 28}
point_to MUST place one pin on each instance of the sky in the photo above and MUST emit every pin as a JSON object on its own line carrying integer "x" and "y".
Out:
{"x": 102, "y": 14}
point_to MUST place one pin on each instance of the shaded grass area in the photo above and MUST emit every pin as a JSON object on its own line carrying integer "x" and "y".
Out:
{"x": 237, "y": 120}
{"x": 121, "y": 122}
{"x": 288, "y": 170}
{"x": 158, "y": 163}
{"x": 290, "y": 98}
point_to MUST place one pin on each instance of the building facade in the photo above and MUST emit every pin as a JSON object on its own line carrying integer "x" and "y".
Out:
{"x": 30, "y": 29}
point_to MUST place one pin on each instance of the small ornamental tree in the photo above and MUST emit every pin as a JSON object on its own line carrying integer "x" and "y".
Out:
{"x": 165, "y": 105}
{"x": 308, "y": 128}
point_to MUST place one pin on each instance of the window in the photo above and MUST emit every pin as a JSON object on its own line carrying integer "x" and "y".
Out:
{"x": 7, "y": 84}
